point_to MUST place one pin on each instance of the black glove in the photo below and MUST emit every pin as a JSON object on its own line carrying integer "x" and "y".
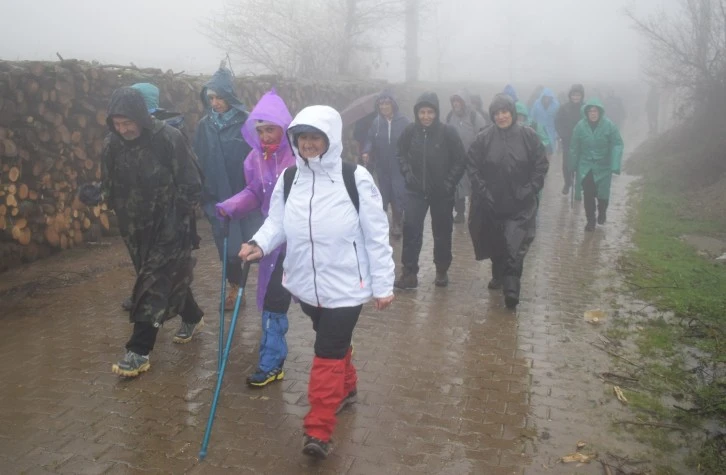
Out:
{"x": 90, "y": 194}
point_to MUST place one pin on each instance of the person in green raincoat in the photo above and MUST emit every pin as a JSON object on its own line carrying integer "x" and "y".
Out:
{"x": 596, "y": 151}
{"x": 524, "y": 119}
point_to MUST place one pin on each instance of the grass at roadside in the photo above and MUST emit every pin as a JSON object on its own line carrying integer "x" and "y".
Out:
{"x": 684, "y": 354}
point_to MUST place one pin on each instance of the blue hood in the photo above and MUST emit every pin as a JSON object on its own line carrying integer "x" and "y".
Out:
{"x": 223, "y": 84}
{"x": 511, "y": 92}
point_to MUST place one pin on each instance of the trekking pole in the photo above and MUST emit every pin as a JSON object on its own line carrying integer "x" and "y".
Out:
{"x": 572, "y": 195}
{"x": 225, "y": 233}
{"x": 225, "y": 359}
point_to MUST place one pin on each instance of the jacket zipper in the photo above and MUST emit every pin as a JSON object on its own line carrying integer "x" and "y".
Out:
{"x": 312, "y": 243}
{"x": 426, "y": 138}
{"x": 360, "y": 275}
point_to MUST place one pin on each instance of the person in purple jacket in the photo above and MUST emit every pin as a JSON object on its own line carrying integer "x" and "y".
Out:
{"x": 265, "y": 131}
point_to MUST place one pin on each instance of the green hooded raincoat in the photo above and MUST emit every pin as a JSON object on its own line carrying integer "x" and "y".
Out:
{"x": 596, "y": 149}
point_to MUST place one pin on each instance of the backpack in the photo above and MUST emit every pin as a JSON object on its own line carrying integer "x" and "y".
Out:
{"x": 348, "y": 179}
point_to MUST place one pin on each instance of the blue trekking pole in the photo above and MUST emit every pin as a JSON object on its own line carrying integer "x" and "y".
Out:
{"x": 225, "y": 233}
{"x": 225, "y": 358}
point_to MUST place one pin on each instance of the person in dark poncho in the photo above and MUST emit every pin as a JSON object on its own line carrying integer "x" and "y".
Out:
{"x": 150, "y": 179}
{"x": 507, "y": 168}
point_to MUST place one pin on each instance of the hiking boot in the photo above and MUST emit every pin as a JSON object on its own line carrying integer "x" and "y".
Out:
{"x": 495, "y": 284}
{"x": 186, "y": 331}
{"x": 590, "y": 226}
{"x": 407, "y": 281}
{"x": 459, "y": 218}
{"x": 442, "y": 279}
{"x": 313, "y": 447}
{"x": 131, "y": 365}
{"x": 511, "y": 302}
{"x": 566, "y": 190}
{"x": 127, "y": 304}
{"x": 231, "y": 297}
{"x": 260, "y": 378}
{"x": 601, "y": 217}
{"x": 348, "y": 400}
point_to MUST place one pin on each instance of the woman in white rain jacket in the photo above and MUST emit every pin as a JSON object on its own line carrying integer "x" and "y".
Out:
{"x": 338, "y": 258}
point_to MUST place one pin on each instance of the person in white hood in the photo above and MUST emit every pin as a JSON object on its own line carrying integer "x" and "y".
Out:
{"x": 338, "y": 258}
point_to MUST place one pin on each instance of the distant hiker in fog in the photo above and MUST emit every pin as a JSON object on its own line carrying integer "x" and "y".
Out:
{"x": 151, "y": 180}
{"x": 381, "y": 148}
{"x": 507, "y": 164}
{"x": 595, "y": 154}
{"x": 534, "y": 97}
{"x": 567, "y": 118}
{"x": 524, "y": 120}
{"x": 478, "y": 105}
{"x": 432, "y": 160}
{"x": 652, "y": 108}
{"x": 467, "y": 122}
{"x": 222, "y": 150}
{"x": 544, "y": 112}
{"x": 511, "y": 92}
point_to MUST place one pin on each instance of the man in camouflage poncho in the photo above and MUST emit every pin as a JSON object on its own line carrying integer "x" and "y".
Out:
{"x": 151, "y": 181}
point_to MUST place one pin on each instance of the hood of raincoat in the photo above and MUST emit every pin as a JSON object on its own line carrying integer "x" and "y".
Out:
{"x": 128, "y": 102}
{"x": 150, "y": 94}
{"x": 323, "y": 119}
{"x": 577, "y": 88}
{"x": 522, "y": 109}
{"x": 388, "y": 95}
{"x": 270, "y": 108}
{"x": 465, "y": 97}
{"x": 511, "y": 92}
{"x": 547, "y": 92}
{"x": 427, "y": 99}
{"x": 503, "y": 101}
{"x": 223, "y": 84}
{"x": 593, "y": 102}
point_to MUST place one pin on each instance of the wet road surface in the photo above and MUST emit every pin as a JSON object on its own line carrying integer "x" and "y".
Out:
{"x": 450, "y": 381}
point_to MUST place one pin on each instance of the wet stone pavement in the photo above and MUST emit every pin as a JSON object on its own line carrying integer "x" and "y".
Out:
{"x": 450, "y": 381}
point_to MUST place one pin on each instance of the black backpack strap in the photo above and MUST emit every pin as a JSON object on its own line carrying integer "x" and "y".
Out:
{"x": 350, "y": 186}
{"x": 288, "y": 177}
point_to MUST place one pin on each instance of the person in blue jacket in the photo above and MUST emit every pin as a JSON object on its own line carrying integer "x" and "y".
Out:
{"x": 381, "y": 147}
{"x": 221, "y": 151}
{"x": 544, "y": 112}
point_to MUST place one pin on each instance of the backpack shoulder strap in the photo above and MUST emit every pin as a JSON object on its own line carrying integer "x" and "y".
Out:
{"x": 350, "y": 186}
{"x": 287, "y": 178}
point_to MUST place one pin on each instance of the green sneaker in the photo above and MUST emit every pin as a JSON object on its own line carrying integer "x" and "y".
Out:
{"x": 131, "y": 365}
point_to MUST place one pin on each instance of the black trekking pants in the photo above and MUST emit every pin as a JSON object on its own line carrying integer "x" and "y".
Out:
{"x": 442, "y": 226}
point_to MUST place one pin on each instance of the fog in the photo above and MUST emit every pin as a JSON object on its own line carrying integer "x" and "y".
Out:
{"x": 474, "y": 40}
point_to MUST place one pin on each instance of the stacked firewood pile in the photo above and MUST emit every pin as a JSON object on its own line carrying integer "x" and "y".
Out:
{"x": 52, "y": 127}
